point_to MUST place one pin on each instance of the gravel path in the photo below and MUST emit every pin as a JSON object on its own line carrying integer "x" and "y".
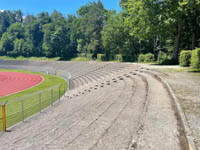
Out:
{"x": 186, "y": 85}
{"x": 124, "y": 110}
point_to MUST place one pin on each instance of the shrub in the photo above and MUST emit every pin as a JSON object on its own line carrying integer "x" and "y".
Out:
{"x": 90, "y": 56}
{"x": 185, "y": 58}
{"x": 101, "y": 57}
{"x": 81, "y": 55}
{"x": 195, "y": 60}
{"x": 141, "y": 58}
{"x": 164, "y": 59}
{"x": 148, "y": 57}
{"x": 119, "y": 57}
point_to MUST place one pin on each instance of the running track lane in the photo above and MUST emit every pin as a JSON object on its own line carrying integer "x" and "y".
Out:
{"x": 14, "y": 82}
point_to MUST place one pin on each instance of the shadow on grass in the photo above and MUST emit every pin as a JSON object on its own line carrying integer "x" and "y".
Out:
{"x": 194, "y": 71}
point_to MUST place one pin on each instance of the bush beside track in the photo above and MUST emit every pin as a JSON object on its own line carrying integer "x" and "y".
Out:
{"x": 47, "y": 92}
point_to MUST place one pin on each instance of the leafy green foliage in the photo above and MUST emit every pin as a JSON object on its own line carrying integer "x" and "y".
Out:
{"x": 113, "y": 34}
{"x": 92, "y": 17}
{"x": 81, "y": 55}
{"x": 116, "y": 38}
{"x": 90, "y": 56}
{"x": 119, "y": 58}
{"x": 101, "y": 57}
{"x": 6, "y": 44}
{"x": 185, "y": 58}
{"x": 141, "y": 58}
{"x": 195, "y": 60}
{"x": 164, "y": 59}
{"x": 149, "y": 58}
{"x": 161, "y": 28}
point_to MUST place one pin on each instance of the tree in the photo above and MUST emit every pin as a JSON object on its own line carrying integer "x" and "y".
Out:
{"x": 92, "y": 17}
{"x": 48, "y": 30}
{"x": 6, "y": 44}
{"x": 73, "y": 34}
{"x": 112, "y": 34}
{"x": 55, "y": 37}
{"x": 34, "y": 36}
{"x": 116, "y": 38}
{"x": 16, "y": 31}
{"x": 44, "y": 18}
{"x": 191, "y": 27}
{"x": 7, "y": 18}
{"x": 145, "y": 18}
{"x": 20, "y": 48}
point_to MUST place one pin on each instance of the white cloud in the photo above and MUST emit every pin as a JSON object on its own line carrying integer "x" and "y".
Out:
{"x": 2, "y": 10}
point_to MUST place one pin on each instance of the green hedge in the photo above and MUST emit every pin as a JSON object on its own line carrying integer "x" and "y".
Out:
{"x": 119, "y": 57}
{"x": 101, "y": 57}
{"x": 185, "y": 58}
{"x": 81, "y": 55}
{"x": 90, "y": 56}
{"x": 141, "y": 58}
{"x": 195, "y": 59}
{"x": 164, "y": 59}
{"x": 149, "y": 58}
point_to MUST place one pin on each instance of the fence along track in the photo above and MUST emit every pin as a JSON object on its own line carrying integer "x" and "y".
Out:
{"x": 82, "y": 110}
{"x": 96, "y": 106}
{"x": 21, "y": 108}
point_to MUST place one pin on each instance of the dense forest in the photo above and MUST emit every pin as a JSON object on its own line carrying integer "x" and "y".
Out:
{"x": 161, "y": 27}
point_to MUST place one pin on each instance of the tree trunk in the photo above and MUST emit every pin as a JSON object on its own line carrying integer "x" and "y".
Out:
{"x": 177, "y": 43}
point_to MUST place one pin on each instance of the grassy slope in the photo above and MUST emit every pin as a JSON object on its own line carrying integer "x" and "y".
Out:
{"x": 42, "y": 58}
{"x": 79, "y": 59}
{"x": 29, "y": 58}
{"x": 31, "y": 97}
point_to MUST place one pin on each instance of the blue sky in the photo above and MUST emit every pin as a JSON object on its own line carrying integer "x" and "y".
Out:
{"x": 64, "y": 6}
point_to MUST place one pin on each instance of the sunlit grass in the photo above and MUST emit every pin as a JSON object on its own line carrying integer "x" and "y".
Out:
{"x": 79, "y": 59}
{"x": 29, "y": 58}
{"x": 34, "y": 99}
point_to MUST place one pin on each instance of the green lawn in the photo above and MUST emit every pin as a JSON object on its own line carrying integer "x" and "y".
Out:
{"x": 29, "y": 58}
{"x": 32, "y": 100}
{"x": 42, "y": 58}
{"x": 79, "y": 59}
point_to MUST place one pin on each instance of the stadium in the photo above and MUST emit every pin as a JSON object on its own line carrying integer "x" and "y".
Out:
{"x": 91, "y": 105}
{"x": 100, "y": 75}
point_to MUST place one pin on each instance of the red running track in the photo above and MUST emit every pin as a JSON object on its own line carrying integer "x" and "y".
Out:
{"x": 14, "y": 82}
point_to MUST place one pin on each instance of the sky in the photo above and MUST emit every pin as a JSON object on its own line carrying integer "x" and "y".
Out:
{"x": 64, "y": 6}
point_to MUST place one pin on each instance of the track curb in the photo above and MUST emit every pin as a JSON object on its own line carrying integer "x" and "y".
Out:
{"x": 187, "y": 131}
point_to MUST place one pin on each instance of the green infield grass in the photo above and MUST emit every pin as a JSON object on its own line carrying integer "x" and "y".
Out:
{"x": 21, "y": 105}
